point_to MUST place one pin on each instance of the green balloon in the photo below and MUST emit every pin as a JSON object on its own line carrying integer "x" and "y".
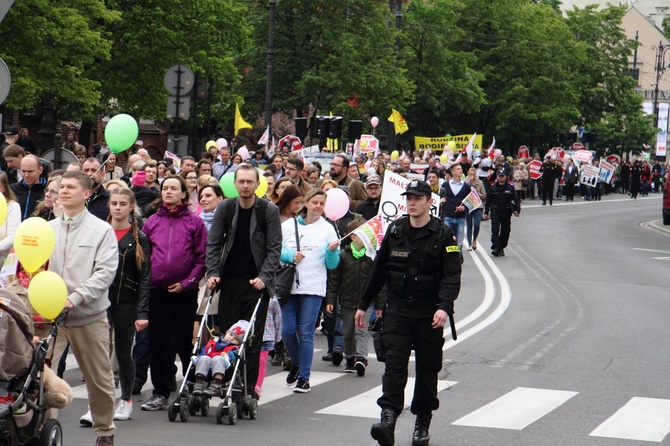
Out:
{"x": 227, "y": 183}
{"x": 121, "y": 132}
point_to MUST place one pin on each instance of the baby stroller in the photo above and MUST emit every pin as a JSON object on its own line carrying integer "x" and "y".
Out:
{"x": 186, "y": 403}
{"x": 22, "y": 406}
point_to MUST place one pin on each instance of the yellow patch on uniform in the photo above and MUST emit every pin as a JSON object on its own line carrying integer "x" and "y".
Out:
{"x": 453, "y": 249}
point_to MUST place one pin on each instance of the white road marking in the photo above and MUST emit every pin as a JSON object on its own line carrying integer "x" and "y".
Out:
{"x": 643, "y": 419}
{"x": 365, "y": 404}
{"x": 517, "y": 409}
{"x": 650, "y": 250}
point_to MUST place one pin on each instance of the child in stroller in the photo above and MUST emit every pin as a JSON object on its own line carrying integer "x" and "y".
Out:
{"x": 216, "y": 357}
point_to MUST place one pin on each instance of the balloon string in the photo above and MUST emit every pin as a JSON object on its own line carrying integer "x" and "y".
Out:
{"x": 102, "y": 165}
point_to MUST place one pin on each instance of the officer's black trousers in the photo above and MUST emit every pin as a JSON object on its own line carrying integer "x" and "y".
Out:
{"x": 402, "y": 334}
{"x": 500, "y": 229}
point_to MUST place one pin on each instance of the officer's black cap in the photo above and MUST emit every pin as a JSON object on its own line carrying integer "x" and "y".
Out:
{"x": 502, "y": 172}
{"x": 417, "y": 187}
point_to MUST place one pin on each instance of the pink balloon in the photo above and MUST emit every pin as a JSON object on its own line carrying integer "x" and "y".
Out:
{"x": 244, "y": 153}
{"x": 497, "y": 153}
{"x": 337, "y": 204}
{"x": 374, "y": 121}
{"x": 221, "y": 143}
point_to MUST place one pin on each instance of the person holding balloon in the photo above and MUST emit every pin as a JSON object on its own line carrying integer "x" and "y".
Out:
{"x": 129, "y": 293}
{"x": 319, "y": 251}
{"x": 86, "y": 257}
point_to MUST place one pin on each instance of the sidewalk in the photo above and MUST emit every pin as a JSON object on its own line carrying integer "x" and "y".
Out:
{"x": 658, "y": 226}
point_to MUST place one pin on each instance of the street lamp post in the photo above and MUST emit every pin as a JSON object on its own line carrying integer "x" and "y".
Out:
{"x": 660, "y": 68}
{"x": 272, "y": 5}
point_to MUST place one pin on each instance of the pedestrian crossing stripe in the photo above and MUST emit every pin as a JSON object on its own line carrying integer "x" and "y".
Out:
{"x": 516, "y": 409}
{"x": 365, "y": 404}
{"x": 644, "y": 419}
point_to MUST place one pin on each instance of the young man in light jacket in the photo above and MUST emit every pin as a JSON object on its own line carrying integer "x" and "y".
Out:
{"x": 86, "y": 257}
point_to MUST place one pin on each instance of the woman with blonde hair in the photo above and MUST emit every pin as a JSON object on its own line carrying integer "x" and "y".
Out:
{"x": 12, "y": 221}
{"x": 49, "y": 208}
{"x": 115, "y": 184}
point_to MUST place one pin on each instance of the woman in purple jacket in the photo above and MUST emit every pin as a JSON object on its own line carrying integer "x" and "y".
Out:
{"x": 178, "y": 241}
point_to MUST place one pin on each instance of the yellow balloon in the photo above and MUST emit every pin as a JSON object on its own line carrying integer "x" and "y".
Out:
{"x": 3, "y": 209}
{"x": 444, "y": 158}
{"x": 210, "y": 144}
{"x": 394, "y": 155}
{"x": 47, "y": 294}
{"x": 34, "y": 241}
{"x": 262, "y": 188}
{"x": 363, "y": 144}
{"x": 451, "y": 145}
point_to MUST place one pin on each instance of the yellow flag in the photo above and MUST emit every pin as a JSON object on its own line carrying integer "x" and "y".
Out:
{"x": 240, "y": 123}
{"x": 398, "y": 122}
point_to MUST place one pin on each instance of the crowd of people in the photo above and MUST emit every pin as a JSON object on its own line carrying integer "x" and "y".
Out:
{"x": 152, "y": 238}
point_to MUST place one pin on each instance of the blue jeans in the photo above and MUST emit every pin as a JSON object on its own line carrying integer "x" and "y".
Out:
{"x": 299, "y": 315}
{"x": 458, "y": 226}
{"x": 473, "y": 219}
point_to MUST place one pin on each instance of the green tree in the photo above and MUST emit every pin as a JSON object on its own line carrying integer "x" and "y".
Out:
{"x": 327, "y": 52}
{"x": 54, "y": 47}
{"x": 526, "y": 53}
{"x": 206, "y": 35}
{"x": 446, "y": 85}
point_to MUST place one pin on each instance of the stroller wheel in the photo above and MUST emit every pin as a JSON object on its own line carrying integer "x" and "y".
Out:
{"x": 220, "y": 413}
{"x": 253, "y": 409}
{"x": 173, "y": 409}
{"x": 193, "y": 404}
{"x": 204, "y": 406}
{"x": 51, "y": 434}
{"x": 184, "y": 410}
{"x": 232, "y": 414}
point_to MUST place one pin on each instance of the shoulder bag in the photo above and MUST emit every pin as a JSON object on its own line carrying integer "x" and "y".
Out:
{"x": 287, "y": 274}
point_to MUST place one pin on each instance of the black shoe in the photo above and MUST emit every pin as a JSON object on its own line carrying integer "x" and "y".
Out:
{"x": 360, "y": 366}
{"x": 383, "y": 431}
{"x": 292, "y": 376}
{"x": 278, "y": 358}
{"x": 494, "y": 253}
{"x": 328, "y": 356}
{"x": 501, "y": 253}
{"x": 302, "y": 387}
{"x": 420, "y": 437}
{"x": 337, "y": 356}
{"x": 350, "y": 366}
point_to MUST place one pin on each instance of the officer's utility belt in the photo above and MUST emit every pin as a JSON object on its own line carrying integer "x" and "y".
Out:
{"x": 411, "y": 303}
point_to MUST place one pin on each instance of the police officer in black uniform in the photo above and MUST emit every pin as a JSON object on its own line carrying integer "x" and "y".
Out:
{"x": 420, "y": 266}
{"x": 502, "y": 202}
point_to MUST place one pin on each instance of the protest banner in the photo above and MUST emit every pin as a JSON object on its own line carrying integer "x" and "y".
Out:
{"x": 367, "y": 143}
{"x": 613, "y": 159}
{"x": 436, "y": 144}
{"x": 473, "y": 200}
{"x": 392, "y": 203}
{"x": 523, "y": 152}
{"x": 589, "y": 175}
{"x": 534, "y": 169}
{"x": 371, "y": 235}
{"x": 606, "y": 172}
{"x": 582, "y": 156}
{"x": 176, "y": 161}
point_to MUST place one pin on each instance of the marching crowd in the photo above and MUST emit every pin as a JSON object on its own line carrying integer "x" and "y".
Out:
{"x": 139, "y": 248}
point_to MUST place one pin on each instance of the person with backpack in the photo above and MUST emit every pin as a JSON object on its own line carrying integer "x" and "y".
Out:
{"x": 419, "y": 263}
{"x": 243, "y": 248}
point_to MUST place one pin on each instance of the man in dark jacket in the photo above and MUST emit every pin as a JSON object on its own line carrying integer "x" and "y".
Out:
{"x": 453, "y": 208}
{"x": 242, "y": 254}
{"x": 419, "y": 264}
{"x": 30, "y": 190}
{"x": 502, "y": 202}
{"x": 550, "y": 172}
{"x": 370, "y": 206}
{"x": 98, "y": 202}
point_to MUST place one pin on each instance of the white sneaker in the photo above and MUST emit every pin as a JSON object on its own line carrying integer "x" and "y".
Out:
{"x": 123, "y": 410}
{"x": 86, "y": 419}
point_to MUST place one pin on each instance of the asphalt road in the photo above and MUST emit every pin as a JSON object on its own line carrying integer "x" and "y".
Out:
{"x": 562, "y": 342}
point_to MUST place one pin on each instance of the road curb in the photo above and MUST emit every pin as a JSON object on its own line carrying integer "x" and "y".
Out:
{"x": 657, "y": 226}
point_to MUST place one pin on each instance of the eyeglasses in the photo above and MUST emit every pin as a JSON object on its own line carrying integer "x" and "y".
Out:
{"x": 191, "y": 178}
{"x": 51, "y": 192}
{"x": 336, "y": 165}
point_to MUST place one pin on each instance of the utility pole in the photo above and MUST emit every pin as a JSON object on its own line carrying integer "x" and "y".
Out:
{"x": 272, "y": 6}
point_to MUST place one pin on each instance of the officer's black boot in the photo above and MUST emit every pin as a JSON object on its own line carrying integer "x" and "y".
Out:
{"x": 383, "y": 431}
{"x": 420, "y": 437}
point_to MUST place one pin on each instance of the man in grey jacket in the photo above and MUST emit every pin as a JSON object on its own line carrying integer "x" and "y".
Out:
{"x": 86, "y": 257}
{"x": 251, "y": 240}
